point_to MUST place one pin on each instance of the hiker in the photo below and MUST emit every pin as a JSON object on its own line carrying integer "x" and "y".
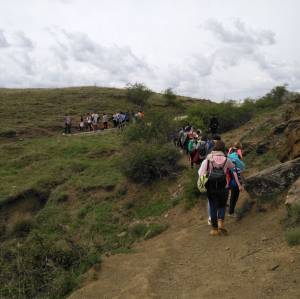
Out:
{"x": 192, "y": 149}
{"x": 234, "y": 187}
{"x": 89, "y": 122}
{"x": 68, "y": 124}
{"x": 105, "y": 121}
{"x": 121, "y": 120}
{"x": 201, "y": 150}
{"x": 215, "y": 167}
{"x": 95, "y": 117}
{"x": 238, "y": 149}
{"x": 214, "y": 125}
{"x": 81, "y": 124}
{"x": 211, "y": 142}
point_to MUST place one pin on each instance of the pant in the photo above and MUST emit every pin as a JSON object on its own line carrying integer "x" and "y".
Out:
{"x": 105, "y": 125}
{"x": 234, "y": 196}
{"x": 67, "y": 129}
{"x": 217, "y": 205}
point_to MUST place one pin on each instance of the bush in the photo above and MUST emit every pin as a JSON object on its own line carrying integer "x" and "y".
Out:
{"x": 138, "y": 94}
{"x": 232, "y": 115}
{"x": 191, "y": 191}
{"x": 139, "y": 230}
{"x": 157, "y": 128}
{"x": 293, "y": 236}
{"x": 22, "y": 228}
{"x": 145, "y": 163}
{"x": 170, "y": 97}
{"x": 155, "y": 229}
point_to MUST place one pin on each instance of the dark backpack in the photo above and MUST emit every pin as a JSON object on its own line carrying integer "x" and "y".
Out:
{"x": 202, "y": 149}
{"x": 217, "y": 177}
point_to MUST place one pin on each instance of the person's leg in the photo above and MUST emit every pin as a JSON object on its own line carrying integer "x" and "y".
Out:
{"x": 221, "y": 208}
{"x": 214, "y": 215}
{"x": 208, "y": 213}
{"x": 66, "y": 128}
{"x": 235, "y": 192}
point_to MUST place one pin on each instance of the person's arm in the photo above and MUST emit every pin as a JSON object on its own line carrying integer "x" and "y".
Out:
{"x": 203, "y": 168}
{"x": 230, "y": 165}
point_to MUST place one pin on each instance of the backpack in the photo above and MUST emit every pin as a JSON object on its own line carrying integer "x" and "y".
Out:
{"x": 217, "y": 177}
{"x": 191, "y": 146}
{"x": 201, "y": 147}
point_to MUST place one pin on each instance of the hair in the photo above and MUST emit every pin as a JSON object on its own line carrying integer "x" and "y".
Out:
{"x": 204, "y": 138}
{"x": 238, "y": 145}
{"x": 216, "y": 137}
{"x": 219, "y": 146}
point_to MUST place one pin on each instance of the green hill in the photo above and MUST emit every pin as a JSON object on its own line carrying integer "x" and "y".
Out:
{"x": 65, "y": 202}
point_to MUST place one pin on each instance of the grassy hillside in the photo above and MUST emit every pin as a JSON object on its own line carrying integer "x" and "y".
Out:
{"x": 64, "y": 201}
{"x": 36, "y": 112}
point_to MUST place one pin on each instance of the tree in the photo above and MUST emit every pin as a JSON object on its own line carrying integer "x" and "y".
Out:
{"x": 138, "y": 94}
{"x": 170, "y": 97}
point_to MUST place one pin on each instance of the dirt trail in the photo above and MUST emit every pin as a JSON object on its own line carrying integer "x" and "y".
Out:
{"x": 253, "y": 261}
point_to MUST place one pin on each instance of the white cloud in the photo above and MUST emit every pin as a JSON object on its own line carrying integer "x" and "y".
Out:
{"x": 3, "y": 41}
{"x": 111, "y": 43}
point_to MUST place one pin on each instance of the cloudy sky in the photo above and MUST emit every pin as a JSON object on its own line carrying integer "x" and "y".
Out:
{"x": 217, "y": 49}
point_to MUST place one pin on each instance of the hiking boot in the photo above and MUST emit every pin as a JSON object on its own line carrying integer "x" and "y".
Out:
{"x": 221, "y": 227}
{"x": 214, "y": 232}
{"x": 233, "y": 215}
{"x": 209, "y": 221}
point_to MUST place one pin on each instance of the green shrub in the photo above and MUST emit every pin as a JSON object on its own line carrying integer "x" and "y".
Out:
{"x": 145, "y": 163}
{"x": 139, "y": 230}
{"x": 155, "y": 229}
{"x": 8, "y": 134}
{"x": 170, "y": 97}
{"x": 293, "y": 236}
{"x": 231, "y": 114}
{"x": 191, "y": 191}
{"x": 138, "y": 94}
{"x": 22, "y": 228}
{"x": 156, "y": 128}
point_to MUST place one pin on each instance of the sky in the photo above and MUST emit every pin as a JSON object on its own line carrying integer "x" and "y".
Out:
{"x": 215, "y": 49}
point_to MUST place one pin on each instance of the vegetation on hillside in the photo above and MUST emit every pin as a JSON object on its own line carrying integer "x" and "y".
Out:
{"x": 232, "y": 115}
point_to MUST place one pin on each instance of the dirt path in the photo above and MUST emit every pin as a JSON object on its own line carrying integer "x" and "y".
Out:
{"x": 253, "y": 261}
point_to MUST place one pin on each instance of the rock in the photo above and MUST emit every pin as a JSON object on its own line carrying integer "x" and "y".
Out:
{"x": 264, "y": 239}
{"x": 274, "y": 267}
{"x": 166, "y": 215}
{"x": 273, "y": 180}
{"x": 291, "y": 148}
{"x": 263, "y": 147}
{"x": 280, "y": 128}
{"x": 122, "y": 234}
{"x": 227, "y": 248}
{"x": 293, "y": 196}
{"x": 248, "y": 147}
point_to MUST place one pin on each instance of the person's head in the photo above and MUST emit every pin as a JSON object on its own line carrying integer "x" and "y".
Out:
{"x": 219, "y": 146}
{"x": 204, "y": 138}
{"x": 238, "y": 145}
{"x": 216, "y": 138}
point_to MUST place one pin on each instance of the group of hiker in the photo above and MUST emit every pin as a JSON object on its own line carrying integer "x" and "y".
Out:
{"x": 94, "y": 121}
{"x": 220, "y": 173}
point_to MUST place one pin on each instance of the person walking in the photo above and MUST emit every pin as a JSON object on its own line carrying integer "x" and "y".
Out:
{"x": 215, "y": 167}
{"x": 235, "y": 186}
{"x": 214, "y": 125}
{"x": 68, "y": 124}
{"x": 105, "y": 121}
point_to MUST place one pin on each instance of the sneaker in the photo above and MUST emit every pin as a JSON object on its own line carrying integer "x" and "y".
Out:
{"x": 209, "y": 221}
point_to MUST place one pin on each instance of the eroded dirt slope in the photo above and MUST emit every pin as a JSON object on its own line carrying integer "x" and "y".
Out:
{"x": 253, "y": 261}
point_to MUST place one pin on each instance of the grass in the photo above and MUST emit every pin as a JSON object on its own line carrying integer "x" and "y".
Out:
{"x": 293, "y": 236}
{"x": 39, "y": 112}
